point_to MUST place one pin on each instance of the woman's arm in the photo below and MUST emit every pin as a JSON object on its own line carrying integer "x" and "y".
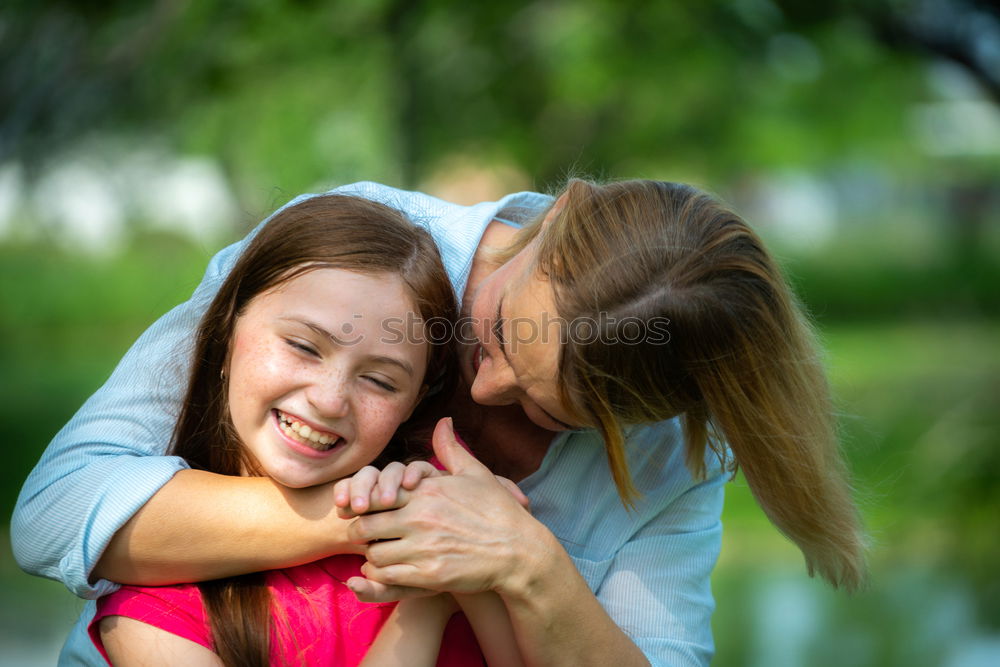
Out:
{"x": 371, "y": 489}
{"x": 558, "y": 621}
{"x": 200, "y": 526}
{"x": 554, "y": 615}
{"x": 465, "y": 533}
{"x": 650, "y": 573}
{"x": 132, "y": 643}
{"x": 110, "y": 458}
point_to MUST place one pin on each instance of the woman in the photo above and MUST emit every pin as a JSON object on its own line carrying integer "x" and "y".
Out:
{"x": 739, "y": 368}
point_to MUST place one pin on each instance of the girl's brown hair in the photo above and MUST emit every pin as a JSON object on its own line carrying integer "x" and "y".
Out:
{"x": 696, "y": 320}
{"x": 330, "y": 231}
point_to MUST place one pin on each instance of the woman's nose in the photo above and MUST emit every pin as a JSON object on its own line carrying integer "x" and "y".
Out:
{"x": 495, "y": 384}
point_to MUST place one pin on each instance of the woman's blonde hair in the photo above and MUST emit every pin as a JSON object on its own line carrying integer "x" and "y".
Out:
{"x": 694, "y": 319}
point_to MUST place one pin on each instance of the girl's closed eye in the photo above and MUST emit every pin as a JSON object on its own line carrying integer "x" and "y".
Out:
{"x": 381, "y": 383}
{"x": 303, "y": 347}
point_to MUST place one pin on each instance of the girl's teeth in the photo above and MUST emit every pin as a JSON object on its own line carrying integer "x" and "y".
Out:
{"x": 304, "y": 433}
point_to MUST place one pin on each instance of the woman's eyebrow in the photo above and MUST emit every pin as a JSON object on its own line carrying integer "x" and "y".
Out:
{"x": 377, "y": 358}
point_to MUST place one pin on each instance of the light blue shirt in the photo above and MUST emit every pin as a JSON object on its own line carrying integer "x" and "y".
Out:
{"x": 649, "y": 567}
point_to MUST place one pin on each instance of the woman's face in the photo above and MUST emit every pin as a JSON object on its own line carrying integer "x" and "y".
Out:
{"x": 516, "y": 360}
{"x": 318, "y": 381}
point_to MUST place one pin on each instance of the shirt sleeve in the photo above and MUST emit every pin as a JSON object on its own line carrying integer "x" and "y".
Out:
{"x": 657, "y": 586}
{"x": 178, "y": 610}
{"x": 110, "y": 458}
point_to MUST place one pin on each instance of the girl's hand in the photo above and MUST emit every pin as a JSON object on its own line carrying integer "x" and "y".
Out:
{"x": 374, "y": 490}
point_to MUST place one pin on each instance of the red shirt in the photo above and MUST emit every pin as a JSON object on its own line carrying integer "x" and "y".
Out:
{"x": 318, "y": 619}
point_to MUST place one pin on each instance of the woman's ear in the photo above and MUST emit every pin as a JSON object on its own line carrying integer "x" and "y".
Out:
{"x": 556, "y": 209}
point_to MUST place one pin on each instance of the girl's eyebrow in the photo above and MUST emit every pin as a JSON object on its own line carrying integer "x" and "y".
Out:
{"x": 377, "y": 358}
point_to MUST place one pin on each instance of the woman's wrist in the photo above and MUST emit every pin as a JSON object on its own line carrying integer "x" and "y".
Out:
{"x": 325, "y": 531}
{"x": 202, "y": 526}
{"x": 534, "y": 566}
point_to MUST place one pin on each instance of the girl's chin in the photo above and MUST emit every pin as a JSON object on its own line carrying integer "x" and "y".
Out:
{"x": 301, "y": 480}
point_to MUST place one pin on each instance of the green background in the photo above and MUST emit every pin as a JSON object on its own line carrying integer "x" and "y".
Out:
{"x": 861, "y": 138}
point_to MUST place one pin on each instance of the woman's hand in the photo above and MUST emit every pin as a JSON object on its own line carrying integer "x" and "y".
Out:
{"x": 464, "y": 532}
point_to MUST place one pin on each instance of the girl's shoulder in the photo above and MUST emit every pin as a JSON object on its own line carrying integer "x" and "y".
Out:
{"x": 177, "y": 609}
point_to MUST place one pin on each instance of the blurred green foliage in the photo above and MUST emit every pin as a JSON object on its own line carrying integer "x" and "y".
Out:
{"x": 295, "y": 96}
{"x": 291, "y": 94}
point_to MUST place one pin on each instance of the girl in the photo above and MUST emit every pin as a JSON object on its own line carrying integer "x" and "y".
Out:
{"x": 311, "y": 362}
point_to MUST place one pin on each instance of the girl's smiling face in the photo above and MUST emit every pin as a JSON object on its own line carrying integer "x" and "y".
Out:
{"x": 318, "y": 380}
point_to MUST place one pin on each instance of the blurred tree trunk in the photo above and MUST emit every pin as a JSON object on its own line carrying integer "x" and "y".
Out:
{"x": 405, "y": 72}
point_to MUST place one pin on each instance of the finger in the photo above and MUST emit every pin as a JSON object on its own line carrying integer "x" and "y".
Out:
{"x": 388, "y": 483}
{"x": 367, "y": 590}
{"x": 416, "y": 471}
{"x": 389, "y": 552}
{"x": 455, "y": 458}
{"x": 375, "y": 505}
{"x": 362, "y": 484}
{"x": 400, "y": 574}
{"x": 342, "y": 493}
{"x": 346, "y": 512}
{"x": 402, "y": 497}
{"x": 515, "y": 491}
{"x": 379, "y": 526}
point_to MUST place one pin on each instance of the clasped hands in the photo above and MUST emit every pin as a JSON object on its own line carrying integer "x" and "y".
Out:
{"x": 460, "y": 530}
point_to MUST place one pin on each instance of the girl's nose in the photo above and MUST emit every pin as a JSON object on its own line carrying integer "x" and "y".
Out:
{"x": 330, "y": 397}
